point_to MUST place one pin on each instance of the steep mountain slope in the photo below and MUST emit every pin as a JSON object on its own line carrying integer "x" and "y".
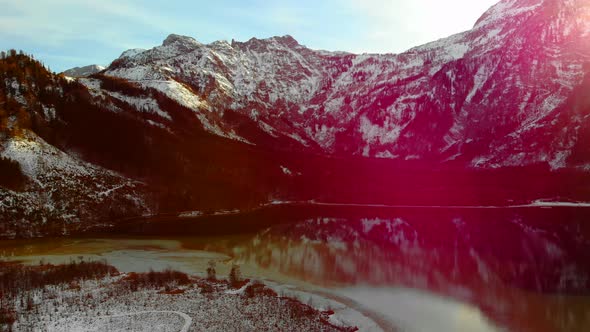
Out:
{"x": 488, "y": 97}
{"x": 72, "y": 158}
{"x": 63, "y": 193}
{"x": 55, "y": 192}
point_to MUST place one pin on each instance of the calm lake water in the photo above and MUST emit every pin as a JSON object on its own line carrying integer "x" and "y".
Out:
{"x": 480, "y": 269}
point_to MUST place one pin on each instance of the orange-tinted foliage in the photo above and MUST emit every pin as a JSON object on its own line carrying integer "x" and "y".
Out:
{"x": 23, "y": 81}
{"x": 17, "y": 278}
{"x": 167, "y": 278}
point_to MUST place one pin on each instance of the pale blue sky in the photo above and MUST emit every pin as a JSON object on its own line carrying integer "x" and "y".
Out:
{"x": 68, "y": 33}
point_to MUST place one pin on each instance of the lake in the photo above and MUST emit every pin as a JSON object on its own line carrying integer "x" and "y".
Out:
{"x": 477, "y": 269}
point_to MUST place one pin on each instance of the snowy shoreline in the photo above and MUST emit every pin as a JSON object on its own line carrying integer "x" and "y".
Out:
{"x": 536, "y": 203}
{"x": 88, "y": 300}
{"x": 533, "y": 204}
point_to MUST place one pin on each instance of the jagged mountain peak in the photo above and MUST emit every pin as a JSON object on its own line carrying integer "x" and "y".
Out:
{"x": 174, "y": 38}
{"x": 287, "y": 40}
{"x": 262, "y": 44}
{"x": 132, "y": 52}
{"x": 506, "y": 10}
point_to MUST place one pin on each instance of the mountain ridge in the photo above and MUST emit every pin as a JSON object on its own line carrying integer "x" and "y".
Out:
{"x": 84, "y": 71}
{"x": 315, "y": 97}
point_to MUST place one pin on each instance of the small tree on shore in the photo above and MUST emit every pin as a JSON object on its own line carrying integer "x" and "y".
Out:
{"x": 211, "y": 273}
{"x": 235, "y": 276}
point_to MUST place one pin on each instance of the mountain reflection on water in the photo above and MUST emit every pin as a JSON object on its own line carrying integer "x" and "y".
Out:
{"x": 527, "y": 268}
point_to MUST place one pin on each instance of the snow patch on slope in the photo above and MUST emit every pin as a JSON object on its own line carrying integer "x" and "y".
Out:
{"x": 142, "y": 104}
{"x": 62, "y": 188}
{"x": 386, "y": 134}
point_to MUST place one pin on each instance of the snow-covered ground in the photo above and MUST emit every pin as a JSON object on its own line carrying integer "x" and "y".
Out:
{"x": 346, "y": 312}
{"x": 155, "y": 320}
{"x": 63, "y": 190}
{"x": 109, "y": 305}
{"x": 543, "y": 203}
{"x": 145, "y": 255}
{"x": 534, "y": 204}
{"x": 190, "y": 214}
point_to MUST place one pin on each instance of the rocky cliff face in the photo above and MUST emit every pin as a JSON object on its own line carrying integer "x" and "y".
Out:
{"x": 501, "y": 94}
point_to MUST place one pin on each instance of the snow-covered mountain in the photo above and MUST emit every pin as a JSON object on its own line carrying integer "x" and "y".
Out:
{"x": 83, "y": 71}
{"x": 187, "y": 126}
{"x": 505, "y": 93}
